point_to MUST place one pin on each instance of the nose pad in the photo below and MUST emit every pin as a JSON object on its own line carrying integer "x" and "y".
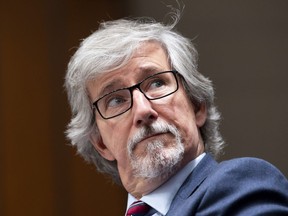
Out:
{"x": 144, "y": 113}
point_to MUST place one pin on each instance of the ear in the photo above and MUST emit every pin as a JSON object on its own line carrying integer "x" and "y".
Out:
{"x": 201, "y": 115}
{"x": 101, "y": 147}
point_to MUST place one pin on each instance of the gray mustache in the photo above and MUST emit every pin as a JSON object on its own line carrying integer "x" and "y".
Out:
{"x": 150, "y": 130}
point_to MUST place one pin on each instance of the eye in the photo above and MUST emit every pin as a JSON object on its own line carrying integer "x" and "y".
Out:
{"x": 114, "y": 101}
{"x": 157, "y": 83}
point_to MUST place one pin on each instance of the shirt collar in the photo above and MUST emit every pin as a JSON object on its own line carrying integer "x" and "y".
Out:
{"x": 161, "y": 198}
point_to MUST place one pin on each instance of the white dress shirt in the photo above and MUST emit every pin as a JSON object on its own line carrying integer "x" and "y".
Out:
{"x": 161, "y": 198}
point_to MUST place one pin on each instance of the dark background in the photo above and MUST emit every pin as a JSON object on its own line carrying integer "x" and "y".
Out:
{"x": 242, "y": 47}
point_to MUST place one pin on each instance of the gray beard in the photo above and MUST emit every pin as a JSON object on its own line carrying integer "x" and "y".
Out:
{"x": 159, "y": 160}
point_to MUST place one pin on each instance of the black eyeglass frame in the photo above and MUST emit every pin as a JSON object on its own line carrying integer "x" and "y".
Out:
{"x": 131, "y": 88}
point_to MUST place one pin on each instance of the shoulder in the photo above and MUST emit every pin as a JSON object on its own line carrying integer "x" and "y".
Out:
{"x": 248, "y": 169}
{"x": 247, "y": 174}
{"x": 246, "y": 186}
{"x": 240, "y": 169}
{"x": 248, "y": 165}
{"x": 246, "y": 161}
{"x": 243, "y": 186}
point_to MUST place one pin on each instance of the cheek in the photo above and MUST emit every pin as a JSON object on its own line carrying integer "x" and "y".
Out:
{"x": 178, "y": 109}
{"x": 114, "y": 137}
{"x": 180, "y": 112}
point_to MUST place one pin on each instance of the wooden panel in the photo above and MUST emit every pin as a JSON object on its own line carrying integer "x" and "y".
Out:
{"x": 25, "y": 112}
{"x": 40, "y": 173}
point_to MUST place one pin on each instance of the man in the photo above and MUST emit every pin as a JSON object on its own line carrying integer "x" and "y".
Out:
{"x": 143, "y": 114}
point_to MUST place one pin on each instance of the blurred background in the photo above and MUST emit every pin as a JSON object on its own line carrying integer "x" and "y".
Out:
{"x": 243, "y": 48}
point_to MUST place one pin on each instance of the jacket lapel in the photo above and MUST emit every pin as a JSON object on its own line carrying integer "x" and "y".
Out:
{"x": 198, "y": 175}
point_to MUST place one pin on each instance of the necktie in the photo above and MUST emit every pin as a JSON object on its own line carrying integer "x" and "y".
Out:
{"x": 138, "y": 208}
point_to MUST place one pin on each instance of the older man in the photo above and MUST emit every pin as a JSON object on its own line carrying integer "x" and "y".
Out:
{"x": 143, "y": 114}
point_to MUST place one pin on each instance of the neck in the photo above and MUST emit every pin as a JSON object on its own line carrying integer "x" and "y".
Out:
{"x": 139, "y": 187}
{"x": 143, "y": 186}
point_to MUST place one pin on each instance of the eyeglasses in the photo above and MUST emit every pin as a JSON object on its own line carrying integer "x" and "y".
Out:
{"x": 153, "y": 87}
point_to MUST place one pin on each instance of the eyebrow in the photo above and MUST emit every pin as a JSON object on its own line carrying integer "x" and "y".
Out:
{"x": 109, "y": 87}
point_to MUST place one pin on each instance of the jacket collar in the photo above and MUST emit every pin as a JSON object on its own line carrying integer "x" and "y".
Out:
{"x": 199, "y": 174}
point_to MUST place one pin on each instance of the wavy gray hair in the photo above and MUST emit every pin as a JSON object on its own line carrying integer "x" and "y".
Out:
{"x": 111, "y": 47}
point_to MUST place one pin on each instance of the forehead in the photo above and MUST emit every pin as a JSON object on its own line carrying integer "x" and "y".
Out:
{"x": 149, "y": 58}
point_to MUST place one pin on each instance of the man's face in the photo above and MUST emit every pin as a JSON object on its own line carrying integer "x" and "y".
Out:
{"x": 153, "y": 134}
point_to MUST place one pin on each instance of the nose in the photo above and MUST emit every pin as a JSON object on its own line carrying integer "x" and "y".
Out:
{"x": 143, "y": 112}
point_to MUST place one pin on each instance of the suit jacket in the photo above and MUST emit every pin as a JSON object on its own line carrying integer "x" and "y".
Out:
{"x": 245, "y": 186}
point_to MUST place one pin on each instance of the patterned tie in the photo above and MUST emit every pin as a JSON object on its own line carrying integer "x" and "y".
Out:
{"x": 138, "y": 208}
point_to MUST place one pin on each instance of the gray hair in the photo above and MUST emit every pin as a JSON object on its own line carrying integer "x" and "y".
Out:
{"x": 110, "y": 48}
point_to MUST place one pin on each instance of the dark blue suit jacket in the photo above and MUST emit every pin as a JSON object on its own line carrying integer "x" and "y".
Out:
{"x": 245, "y": 186}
